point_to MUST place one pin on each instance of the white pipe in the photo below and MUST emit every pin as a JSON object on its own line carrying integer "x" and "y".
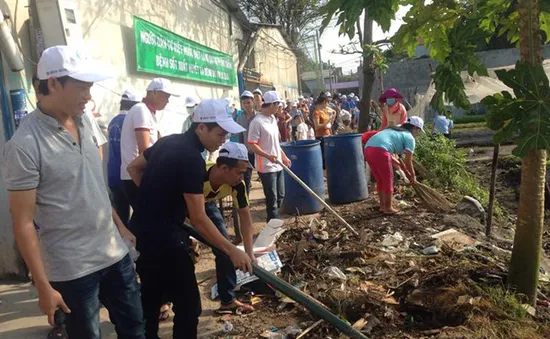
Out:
{"x": 8, "y": 47}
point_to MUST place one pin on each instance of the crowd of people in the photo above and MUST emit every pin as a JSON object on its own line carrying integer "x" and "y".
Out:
{"x": 79, "y": 236}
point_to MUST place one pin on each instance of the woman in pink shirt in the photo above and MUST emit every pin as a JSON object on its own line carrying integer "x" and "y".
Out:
{"x": 393, "y": 111}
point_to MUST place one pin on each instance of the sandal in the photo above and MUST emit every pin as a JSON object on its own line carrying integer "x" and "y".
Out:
{"x": 237, "y": 308}
{"x": 164, "y": 313}
{"x": 58, "y": 332}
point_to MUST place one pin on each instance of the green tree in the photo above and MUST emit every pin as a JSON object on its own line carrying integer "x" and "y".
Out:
{"x": 451, "y": 29}
{"x": 357, "y": 17}
{"x": 298, "y": 20}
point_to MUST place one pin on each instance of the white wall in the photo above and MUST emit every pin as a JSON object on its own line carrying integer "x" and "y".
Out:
{"x": 276, "y": 62}
{"x": 107, "y": 28}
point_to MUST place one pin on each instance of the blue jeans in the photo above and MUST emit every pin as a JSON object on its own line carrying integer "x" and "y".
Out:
{"x": 225, "y": 271}
{"x": 274, "y": 191}
{"x": 117, "y": 289}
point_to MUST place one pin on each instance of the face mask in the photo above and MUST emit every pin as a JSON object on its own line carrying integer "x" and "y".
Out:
{"x": 390, "y": 101}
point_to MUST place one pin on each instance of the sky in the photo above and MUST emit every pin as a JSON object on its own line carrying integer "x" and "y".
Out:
{"x": 330, "y": 41}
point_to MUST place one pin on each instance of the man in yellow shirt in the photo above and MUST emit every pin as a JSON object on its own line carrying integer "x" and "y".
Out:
{"x": 225, "y": 178}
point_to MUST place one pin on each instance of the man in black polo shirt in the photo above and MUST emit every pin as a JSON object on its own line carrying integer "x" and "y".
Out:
{"x": 170, "y": 176}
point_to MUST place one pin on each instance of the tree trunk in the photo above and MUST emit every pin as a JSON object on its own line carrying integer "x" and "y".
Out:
{"x": 368, "y": 77}
{"x": 524, "y": 266}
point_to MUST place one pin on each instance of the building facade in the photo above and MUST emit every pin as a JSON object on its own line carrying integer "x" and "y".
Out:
{"x": 213, "y": 31}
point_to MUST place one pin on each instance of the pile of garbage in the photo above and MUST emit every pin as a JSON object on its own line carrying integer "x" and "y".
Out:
{"x": 413, "y": 275}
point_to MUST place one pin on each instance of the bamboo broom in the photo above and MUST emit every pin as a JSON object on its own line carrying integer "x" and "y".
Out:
{"x": 432, "y": 199}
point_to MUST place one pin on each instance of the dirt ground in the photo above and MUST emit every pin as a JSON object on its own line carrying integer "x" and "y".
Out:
{"x": 400, "y": 291}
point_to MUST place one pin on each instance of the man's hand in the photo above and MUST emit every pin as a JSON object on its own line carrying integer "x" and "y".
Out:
{"x": 49, "y": 301}
{"x": 272, "y": 158}
{"x": 287, "y": 162}
{"x": 240, "y": 260}
{"x": 126, "y": 234}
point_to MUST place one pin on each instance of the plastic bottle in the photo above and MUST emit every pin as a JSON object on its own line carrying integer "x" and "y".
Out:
{"x": 134, "y": 254}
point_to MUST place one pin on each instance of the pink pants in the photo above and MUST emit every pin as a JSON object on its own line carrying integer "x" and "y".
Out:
{"x": 381, "y": 167}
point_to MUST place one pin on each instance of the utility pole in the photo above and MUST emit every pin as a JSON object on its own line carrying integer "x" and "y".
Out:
{"x": 330, "y": 76}
{"x": 320, "y": 79}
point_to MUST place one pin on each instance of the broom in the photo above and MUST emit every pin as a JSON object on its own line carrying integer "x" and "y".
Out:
{"x": 432, "y": 199}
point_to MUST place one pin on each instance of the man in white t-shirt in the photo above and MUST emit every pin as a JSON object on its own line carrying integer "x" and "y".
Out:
{"x": 263, "y": 140}
{"x": 140, "y": 130}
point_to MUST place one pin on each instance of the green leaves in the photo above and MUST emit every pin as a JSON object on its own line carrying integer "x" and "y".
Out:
{"x": 525, "y": 118}
{"x": 348, "y": 13}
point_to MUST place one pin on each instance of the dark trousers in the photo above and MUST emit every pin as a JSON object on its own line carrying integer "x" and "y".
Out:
{"x": 294, "y": 133}
{"x": 169, "y": 273}
{"x": 274, "y": 191}
{"x": 248, "y": 173}
{"x": 117, "y": 289}
{"x": 225, "y": 271}
{"x": 322, "y": 150}
{"x": 131, "y": 192}
{"x": 120, "y": 202}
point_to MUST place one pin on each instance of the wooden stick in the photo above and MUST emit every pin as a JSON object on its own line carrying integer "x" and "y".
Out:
{"x": 489, "y": 225}
{"x": 309, "y": 329}
{"x": 310, "y": 191}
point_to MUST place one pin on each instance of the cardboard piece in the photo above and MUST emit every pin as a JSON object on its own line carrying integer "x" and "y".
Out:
{"x": 455, "y": 239}
{"x": 269, "y": 262}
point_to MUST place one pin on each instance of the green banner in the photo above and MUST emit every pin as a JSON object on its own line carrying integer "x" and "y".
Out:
{"x": 162, "y": 52}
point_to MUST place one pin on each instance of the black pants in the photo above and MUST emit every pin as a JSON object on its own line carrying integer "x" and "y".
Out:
{"x": 248, "y": 173}
{"x": 120, "y": 203}
{"x": 131, "y": 192}
{"x": 169, "y": 273}
{"x": 322, "y": 150}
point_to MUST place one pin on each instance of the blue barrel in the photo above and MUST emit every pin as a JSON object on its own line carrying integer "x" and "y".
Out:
{"x": 307, "y": 164}
{"x": 345, "y": 164}
{"x": 18, "y": 105}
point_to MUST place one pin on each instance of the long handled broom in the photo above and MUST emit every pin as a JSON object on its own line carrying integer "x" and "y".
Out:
{"x": 432, "y": 199}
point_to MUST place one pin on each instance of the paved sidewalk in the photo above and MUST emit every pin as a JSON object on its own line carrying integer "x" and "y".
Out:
{"x": 21, "y": 318}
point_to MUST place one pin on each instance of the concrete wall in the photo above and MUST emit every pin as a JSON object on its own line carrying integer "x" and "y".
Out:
{"x": 107, "y": 28}
{"x": 412, "y": 77}
{"x": 271, "y": 49}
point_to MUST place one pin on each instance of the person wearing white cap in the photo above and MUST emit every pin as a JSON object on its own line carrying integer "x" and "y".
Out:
{"x": 294, "y": 111}
{"x": 258, "y": 99}
{"x": 170, "y": 176}
{"x": 140, "y": 129}
{"x": 225, "y": 178}
{"x": 247, "y": 115}
{"x": 118, "y": 193}
{"x": 380, "y": 152}
{"x": 190, "y": 104}
{"x": 263, "y": 140}
{"x": 52, "y": 169}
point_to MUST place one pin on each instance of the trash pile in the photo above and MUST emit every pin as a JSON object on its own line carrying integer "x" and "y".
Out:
{"x": 413, "y": 275}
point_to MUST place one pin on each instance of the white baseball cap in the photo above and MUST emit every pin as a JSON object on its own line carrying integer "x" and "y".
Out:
{"x": 60, "y": 61}
{"x": 131, "y": 95}
{"x": 271, "y": 97}
{"x": 234, "y": 150}
{"x": 161, "y": 85}
{"x": 416, "y": 121}
{"x": 191, "y": 102}
{"x": 301, "y": 97}
{"x": 257, "y": 91}
{"x": 218, "y": 111}
{"x": 294, "y": 104}
{"x": 247, "y": 94}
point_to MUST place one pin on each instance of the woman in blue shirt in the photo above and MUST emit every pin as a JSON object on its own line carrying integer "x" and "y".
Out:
{"x": 379, "y": 152}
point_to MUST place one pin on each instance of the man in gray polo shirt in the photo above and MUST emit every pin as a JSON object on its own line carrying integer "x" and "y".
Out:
{"x": 53, "y": 172}
{"x": 244, "y": 119}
